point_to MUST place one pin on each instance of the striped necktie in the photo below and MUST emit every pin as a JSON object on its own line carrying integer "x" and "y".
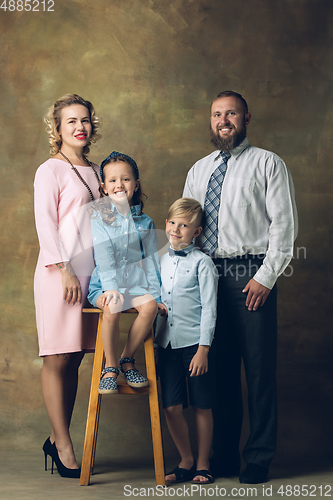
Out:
{"x": 212, "y": 205}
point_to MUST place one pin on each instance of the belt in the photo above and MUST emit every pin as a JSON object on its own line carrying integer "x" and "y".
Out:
{"x": 247, "y": 256}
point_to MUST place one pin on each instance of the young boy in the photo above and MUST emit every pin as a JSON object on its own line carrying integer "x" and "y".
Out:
{"x": 184, "y": 336}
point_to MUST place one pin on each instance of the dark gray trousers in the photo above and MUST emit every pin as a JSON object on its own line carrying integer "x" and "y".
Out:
{"x": 253, "y": 337}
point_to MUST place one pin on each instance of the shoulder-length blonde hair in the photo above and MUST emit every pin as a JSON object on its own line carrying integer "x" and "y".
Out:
{"x": 53, "y": 121}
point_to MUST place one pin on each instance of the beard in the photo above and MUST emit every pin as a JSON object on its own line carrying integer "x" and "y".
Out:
{"x": 229, "y": 143}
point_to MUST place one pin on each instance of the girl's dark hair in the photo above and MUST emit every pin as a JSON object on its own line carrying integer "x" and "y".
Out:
{"x": 138, "y": 194}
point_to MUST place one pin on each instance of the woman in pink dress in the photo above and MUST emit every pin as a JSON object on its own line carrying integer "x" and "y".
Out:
{"x": 64, "y": 186}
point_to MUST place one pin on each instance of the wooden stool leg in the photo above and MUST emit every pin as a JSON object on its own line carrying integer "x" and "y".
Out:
{"x": 93, "y": 410}
{"x": 154, "y": 411}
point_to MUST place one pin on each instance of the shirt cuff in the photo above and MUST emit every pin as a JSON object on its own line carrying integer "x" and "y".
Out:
{"x": 265, "y": 278}
{"x": 109, "y": 285}
{"x": 206, "y": 339}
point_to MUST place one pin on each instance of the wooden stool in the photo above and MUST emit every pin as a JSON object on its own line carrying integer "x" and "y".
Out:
{"x": 95, "y": 404}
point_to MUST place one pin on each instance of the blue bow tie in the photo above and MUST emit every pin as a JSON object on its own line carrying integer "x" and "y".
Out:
{"x": 173, "y": 252}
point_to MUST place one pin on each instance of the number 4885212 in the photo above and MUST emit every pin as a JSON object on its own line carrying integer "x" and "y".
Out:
{"x": 28, "y": 5}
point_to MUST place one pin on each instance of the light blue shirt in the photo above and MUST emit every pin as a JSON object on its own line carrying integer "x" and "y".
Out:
{"x": 189, "y": 290}
{"x": 125, "y": 251}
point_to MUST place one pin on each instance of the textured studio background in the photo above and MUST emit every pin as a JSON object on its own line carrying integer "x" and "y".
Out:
{"x": 151, "y": 69}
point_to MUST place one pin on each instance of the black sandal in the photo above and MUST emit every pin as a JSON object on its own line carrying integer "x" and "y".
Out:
{"x": 204, "y": 473}
{"x": 181, "y": 474}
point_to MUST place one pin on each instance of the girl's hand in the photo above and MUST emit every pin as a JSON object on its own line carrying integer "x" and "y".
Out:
{"x": 199, "y": 362}
{"x": 113, "y": 299}
{"x": 70, "y": 285}
{"x": 162, "y": 310}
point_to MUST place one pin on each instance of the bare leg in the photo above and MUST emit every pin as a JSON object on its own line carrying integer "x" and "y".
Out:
{"x": 59, "y": 384}
{"x": 178, "y": 429}
{"x": 204, "y": 421}
{"x": 72, "y": 382}
{"x": 110, "y": 336}
{"x": 147, "y": 310}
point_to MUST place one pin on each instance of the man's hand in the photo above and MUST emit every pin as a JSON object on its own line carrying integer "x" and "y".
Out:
{"x": 256, "y": 295}
{"x": 199, "y": 362}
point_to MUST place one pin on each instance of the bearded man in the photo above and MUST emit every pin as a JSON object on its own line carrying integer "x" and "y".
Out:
{"x": 250, "y": 227}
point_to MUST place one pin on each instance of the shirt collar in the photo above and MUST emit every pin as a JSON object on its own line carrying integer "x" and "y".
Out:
{"x": 237, "y": 151}
{"x": 135, "y": 211}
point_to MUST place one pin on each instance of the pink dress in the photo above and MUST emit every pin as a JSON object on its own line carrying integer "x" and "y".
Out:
{"x": 64, "y": 233}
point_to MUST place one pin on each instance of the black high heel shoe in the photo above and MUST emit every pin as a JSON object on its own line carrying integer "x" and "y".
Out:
{"x": 47, "y": 450}
{"x": 62, "y": 469}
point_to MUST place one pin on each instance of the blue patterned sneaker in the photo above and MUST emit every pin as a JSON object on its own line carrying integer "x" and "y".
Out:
{"x": 133, "y": 377}
{"x": 108, "y": 385}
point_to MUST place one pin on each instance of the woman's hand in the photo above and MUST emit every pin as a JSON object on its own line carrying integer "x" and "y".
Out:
{"x": 70, "y": 284}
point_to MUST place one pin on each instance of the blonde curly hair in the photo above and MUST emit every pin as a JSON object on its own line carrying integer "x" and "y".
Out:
{"x": 53, "y": 121}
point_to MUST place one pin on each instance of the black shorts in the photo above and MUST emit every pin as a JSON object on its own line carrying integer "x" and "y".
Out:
{"x": 173, "y": 367}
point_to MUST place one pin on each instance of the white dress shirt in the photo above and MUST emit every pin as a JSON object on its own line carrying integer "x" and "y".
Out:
{"x": 189, "y": 290}
{"x": 257, "y": 213}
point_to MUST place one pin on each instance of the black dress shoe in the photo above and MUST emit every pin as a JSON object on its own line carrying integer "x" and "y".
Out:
{"x": 47, "y": 450}
{"x": 220, "y": 469}
{"x": 254, "y": 474}
{"x": 62, "y": 469}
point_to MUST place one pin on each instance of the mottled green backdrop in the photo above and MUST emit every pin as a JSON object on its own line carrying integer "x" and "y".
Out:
{"x": 151, "y": 68}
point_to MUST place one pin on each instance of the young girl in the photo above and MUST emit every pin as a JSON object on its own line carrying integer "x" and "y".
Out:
{"x": 127, "y": 269}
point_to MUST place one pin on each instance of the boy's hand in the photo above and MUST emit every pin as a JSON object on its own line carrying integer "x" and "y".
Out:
{"x": 199, "y": 362}
{"x": 113, "y": 299}
{"x": 162, "y": 310}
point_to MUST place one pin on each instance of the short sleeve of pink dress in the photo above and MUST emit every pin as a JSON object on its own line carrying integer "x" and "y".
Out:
{"x": 63, "y": 227}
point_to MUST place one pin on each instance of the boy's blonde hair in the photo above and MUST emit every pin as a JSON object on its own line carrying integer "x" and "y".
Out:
{"x": 186, "y": 207}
